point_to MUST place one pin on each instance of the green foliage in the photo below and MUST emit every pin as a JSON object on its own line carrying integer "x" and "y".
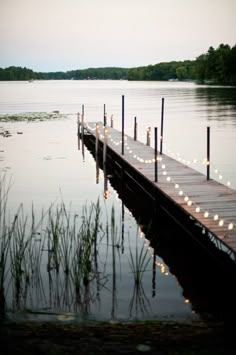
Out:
{"x": 217, "y": 66}
{"x": 164, "y": 71}
{"x": 18, "y": 73}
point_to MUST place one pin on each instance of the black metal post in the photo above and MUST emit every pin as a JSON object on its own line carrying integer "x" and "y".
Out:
{"x": 162, "y": 122}
{"x": 123, "y": 126}
{"x": 135, "y": 128}
{"x": 156, "y": 153}
{"x": 104, "y": 116}
{"x": 78, "y": 123}
{"x": 208, "y": 153}
{"x": 83, "y": 120}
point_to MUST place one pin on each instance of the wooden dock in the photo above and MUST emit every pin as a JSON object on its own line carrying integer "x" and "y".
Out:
{"x": 207, "y": 202}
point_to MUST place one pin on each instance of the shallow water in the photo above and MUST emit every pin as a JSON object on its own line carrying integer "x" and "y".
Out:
{"x": 44, "y": 164}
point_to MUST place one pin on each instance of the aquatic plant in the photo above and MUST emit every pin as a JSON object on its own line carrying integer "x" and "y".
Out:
{"x": 138, "y": 261}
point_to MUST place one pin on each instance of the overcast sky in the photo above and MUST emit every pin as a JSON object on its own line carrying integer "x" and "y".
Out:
{"x": 51, "y": 35}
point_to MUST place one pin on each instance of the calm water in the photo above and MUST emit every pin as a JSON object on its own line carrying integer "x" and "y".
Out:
{"x": 45, "y": 166}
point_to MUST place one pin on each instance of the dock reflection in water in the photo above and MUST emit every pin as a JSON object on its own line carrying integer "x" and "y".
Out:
{"x": 205, "y": 273}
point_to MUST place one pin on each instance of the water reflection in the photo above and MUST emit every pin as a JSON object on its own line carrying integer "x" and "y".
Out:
{"x": 219, "y": 102}
{"x": 205, "y": 273}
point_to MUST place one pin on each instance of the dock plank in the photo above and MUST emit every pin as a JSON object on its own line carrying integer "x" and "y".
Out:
{"x": 208, "y": 195}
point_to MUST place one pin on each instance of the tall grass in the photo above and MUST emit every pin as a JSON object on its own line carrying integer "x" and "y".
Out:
{"x": 54, "y": 256}
{"x": 70, "y": 243}
{"x": 139, "y": 260}
{"x": 5, "y": 239}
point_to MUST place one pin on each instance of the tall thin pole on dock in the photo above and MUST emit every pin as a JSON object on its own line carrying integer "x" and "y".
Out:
{"x": 82, "y": 120}
{"x": 162, "y": 123}
{"x": 97, "y": 140}
{"x": 105, "y": 146}
{"x": 135, "y": 128}
{"x": 123, "y": 125}
{"x": 104, "y": 117}
{"x": 208, "y": 153}
{"x": 156, "y": 153}
{"x": 78, "y": 122}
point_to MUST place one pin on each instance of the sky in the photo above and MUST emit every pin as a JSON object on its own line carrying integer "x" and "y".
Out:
{"x": 62, "y": 35}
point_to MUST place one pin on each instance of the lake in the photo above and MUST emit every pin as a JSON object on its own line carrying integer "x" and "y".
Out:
{"x": 42, "y": 161}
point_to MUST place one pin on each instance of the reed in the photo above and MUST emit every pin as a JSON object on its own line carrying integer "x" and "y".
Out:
{"x": 5, "y": 239}
{"x": 138, "y": 261}
{"x": 69, "y": 246}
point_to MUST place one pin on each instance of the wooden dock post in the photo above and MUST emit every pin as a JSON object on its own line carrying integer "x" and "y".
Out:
{"x": 208, "y": 153}
{"x": 148, "y": 136}
{"x": 135, "y": 128}
{"x": 162, "y": 123}
{"x": 111, "y": 121}
{"x": 156, "y": 153}
{"x": 123, "y": 126}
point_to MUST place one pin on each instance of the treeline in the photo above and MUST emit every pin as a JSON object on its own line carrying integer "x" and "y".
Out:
{"x": 18, "y": 73}
{"x": 217, "y": 66}
{"x": 164, "y": 71}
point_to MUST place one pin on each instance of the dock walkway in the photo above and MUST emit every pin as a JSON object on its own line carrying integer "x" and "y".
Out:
{"x": 210, "y": 203}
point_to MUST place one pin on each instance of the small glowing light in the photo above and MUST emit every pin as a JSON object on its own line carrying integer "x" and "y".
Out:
{"x": 195, "y": 160}
{"x": 230, "y": 226}
{"x": 164, "y": 173}
{"x": 180, "y": 192}
{"x": 221, "y": 223}
{"x": 135, "y": 156}
{"x": 206, "y": 214}
{"x": 186, "y": 301}
{"x": 228, "y": 183}
{"x": 168, "y": 178}
{"x": 216, "y": 171}
{"x": 163, "y": 166}
{"x": 176, "y": 186}
{"x": 220, "y": 177}
{"x": 189, "y": 203}
{"x": 216, "y": 217}
{"x": 197, "y": 209}
{"x": 186, "y": 198}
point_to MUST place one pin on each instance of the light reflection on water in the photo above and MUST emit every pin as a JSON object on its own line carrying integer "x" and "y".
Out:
{"x": 45, "y": 165}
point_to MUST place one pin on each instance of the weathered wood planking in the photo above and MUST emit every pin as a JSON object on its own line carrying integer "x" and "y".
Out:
{"x": 210, "y": 196}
